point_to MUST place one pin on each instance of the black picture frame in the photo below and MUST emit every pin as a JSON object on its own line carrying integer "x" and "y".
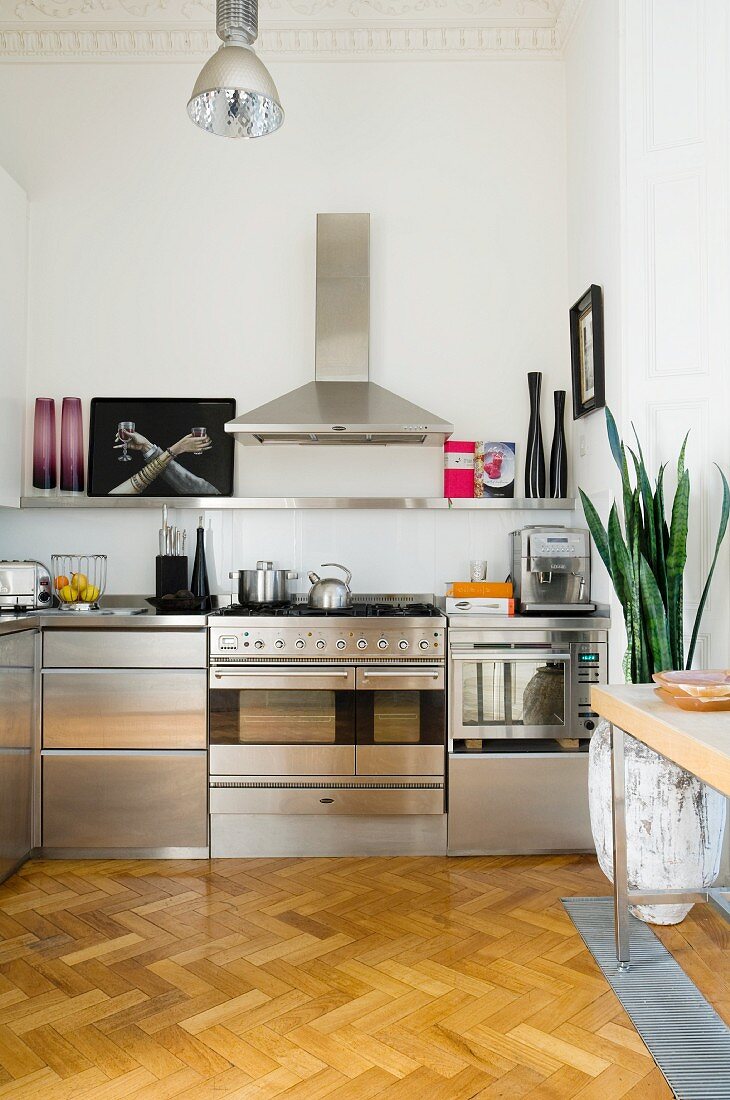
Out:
{"x": 586, "y": 324}
{"x": 162, "y": 421}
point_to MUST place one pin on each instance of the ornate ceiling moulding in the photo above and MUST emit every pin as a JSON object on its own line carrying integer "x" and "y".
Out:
{"x": 179, "y": 30}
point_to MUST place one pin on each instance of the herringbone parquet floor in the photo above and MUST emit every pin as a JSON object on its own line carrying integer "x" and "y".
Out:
{"x": 347, "y": 978}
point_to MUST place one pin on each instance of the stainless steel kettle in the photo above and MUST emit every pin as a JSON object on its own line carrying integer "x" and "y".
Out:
{"x": 330, "y": 593}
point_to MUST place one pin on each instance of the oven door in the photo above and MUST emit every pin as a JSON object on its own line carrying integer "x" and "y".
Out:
{"x": 282, "y": 721}
{"x": 401, "y": 721}
{"x": 505, "y": 692}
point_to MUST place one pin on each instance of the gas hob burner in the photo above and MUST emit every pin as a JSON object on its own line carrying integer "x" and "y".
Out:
{"x": 364, "y": 609}
{"x": 245, "y": 610}
{"x": 402, "y": 610}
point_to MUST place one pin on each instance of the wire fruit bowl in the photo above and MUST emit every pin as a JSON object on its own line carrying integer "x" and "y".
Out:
{"x": 79, "y": 580}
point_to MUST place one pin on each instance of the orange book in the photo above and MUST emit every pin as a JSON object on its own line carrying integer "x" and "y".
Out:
{"x": 488, "y": 589}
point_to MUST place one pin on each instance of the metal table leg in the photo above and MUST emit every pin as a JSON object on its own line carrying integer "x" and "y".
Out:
{"x": 620, "y": 879}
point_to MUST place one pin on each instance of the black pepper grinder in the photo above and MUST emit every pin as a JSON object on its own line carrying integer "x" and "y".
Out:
{"x": 199, "y": 584}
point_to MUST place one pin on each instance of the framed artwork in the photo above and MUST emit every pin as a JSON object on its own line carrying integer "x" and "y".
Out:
{"x": 586, "y": 353}
{"x": 160, "y": 447}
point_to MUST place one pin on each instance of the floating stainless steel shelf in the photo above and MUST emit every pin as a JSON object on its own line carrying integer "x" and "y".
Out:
{"x": 42, "y": 500}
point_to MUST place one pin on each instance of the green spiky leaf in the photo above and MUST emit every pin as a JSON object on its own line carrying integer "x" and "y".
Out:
{"x": 676, "y": 561}
{"x": 654, "y": 621}
{"x": 597, "y": 530}
{"x": 721, "y": 531}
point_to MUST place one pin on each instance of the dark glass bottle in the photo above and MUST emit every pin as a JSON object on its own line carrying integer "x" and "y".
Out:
{"x": 199, "y": 584}
{"x": 534, "y": 452}
{"x": 558, "y": 451}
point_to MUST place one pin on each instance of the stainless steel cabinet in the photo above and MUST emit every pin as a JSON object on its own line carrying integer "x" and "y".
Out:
{"x": 124, "y": 648}
{"x": 124, "y": 709}
{"x": 125, "y": 800}
{"x": 17, "y": 714}
{"x": 124, "y": 760}
{"x": 518, "y": 803}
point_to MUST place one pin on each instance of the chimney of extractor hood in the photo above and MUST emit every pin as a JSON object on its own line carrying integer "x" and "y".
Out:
{"x": 342, "y": 327}
{"x": 341, "y": 405}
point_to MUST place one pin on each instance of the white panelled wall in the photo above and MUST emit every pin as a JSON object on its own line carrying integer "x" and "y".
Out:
{"x": 648, "y": 108}
{"x": 164, "y": 262}
{"x": 677, "y": 340}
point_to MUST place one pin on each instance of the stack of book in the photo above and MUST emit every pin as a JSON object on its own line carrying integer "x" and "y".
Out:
{"x": 480, "y": 598}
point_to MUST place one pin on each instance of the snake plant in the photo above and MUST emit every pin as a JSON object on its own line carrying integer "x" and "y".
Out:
{"x": 646, "y": 559}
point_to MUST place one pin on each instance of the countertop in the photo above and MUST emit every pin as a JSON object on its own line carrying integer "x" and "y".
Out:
{"x": 599, "y": 619}
{"x": 12, "y": 623}
{"x": 698, "y": 742}
{"x": 117, "y": 613}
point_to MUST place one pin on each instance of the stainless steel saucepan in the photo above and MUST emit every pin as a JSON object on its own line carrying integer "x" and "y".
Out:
{"x": 264, "y": 584}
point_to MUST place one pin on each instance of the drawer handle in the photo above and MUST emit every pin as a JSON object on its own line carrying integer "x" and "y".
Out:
{"x": 326, "y": 801}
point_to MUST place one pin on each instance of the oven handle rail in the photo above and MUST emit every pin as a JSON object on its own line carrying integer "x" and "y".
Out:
{"x": 469, "y": 653}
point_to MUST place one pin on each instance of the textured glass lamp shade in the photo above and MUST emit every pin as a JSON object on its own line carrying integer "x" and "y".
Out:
{"x": 234, "y": 96}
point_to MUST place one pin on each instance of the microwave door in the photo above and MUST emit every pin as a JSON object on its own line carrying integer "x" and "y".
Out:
{"x": 505, "y": 695}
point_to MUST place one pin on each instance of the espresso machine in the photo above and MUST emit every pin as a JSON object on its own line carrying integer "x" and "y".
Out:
{"x": 551, "y": 570}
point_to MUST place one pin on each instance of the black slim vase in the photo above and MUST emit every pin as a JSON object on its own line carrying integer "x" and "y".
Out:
{"x": 558, "y": 452}
{"x": 199, "y": 583}
{"x": 535, "y": 453}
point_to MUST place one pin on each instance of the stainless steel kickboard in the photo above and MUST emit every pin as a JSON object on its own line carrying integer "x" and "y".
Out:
{"x": 687, "y": 1039}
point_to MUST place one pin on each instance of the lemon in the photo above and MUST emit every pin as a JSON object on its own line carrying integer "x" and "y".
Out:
{"x": 68, "y": 594}
{"x": 90, "y": 594}
{"x": 79, "y": 581}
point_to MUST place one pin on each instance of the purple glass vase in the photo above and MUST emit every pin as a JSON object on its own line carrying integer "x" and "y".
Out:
{"x": 44, "y": 444}
{"x": 72, "y": 446}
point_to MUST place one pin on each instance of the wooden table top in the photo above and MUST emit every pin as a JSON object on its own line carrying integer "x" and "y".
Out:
{"x": 696, "y": 741}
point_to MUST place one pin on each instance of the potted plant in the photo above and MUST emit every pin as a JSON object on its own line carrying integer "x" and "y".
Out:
{"x": 675, "y": 823}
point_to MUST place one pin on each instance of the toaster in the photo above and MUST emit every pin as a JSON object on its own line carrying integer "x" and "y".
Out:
{"x": 24, "y": 586}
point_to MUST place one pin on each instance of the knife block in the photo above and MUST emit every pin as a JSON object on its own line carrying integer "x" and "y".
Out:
{"x": 171, "y": 574}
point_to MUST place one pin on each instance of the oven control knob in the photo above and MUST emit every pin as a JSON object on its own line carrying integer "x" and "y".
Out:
{"x": 340, "y": 643}
{"x": 383, "y": 643}
{"x": 590, "y": 725}
{"x": 362, "y": 643}
{"x": 300, "y": 643}
{"x": 279, "y": 643}
{"x": 423, "y": 644}
{"x": 258, "y": 644}
{"x": 321, "y": 643}
{"x": 402, "y": 644}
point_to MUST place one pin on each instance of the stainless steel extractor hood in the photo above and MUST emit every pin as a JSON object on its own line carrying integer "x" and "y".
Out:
{"x": 342, "y": 405}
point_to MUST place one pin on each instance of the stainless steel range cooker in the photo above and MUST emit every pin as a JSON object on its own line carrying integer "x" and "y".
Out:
{"x": 328, "y": 729}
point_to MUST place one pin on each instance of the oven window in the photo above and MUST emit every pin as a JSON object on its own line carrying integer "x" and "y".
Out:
{"x": 396, "y": 718}
{"x": 513, "y": 693}
{"x": 406, "y": 717}
{"x": 258, "y": 716}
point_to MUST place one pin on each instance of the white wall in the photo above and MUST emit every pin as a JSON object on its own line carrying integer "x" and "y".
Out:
{"x": 166, "y": 262}
{"x": 13, "y": 325}
{"x": 594, "y": 227}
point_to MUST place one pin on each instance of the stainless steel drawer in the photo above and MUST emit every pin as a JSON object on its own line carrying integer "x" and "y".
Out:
{"x": 271, "y": 795}
{"x": 68, "y": 648}
{"x": 282, "y": 759}
{"x": 124, "y": 709}
{"x": 401, "y": 760}
{"x": 17, "y": 719}
{"x": 518, "y": 804}
{"x": 124, "y": 800}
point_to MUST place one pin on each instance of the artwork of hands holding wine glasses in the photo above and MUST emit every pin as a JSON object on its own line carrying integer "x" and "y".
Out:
{"x": 162, "y": 448}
